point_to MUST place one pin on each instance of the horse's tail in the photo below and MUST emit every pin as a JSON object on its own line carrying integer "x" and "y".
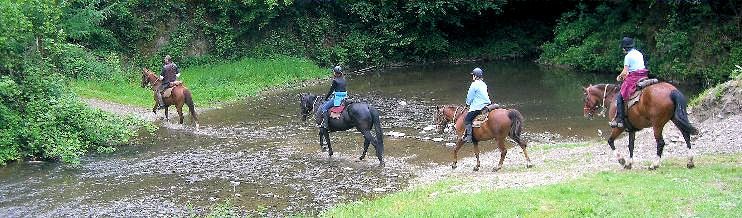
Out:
{"x": 516, "y": 126}
{"x": 191, "y": 107}
{"x": 377, "y": 126}
{"x": 681, "y": 115}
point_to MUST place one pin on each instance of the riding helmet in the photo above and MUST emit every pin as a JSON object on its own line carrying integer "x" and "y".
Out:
{"x": 477, "y": 72}
{"x": 337, "y": 69}
{"x": 627, "y": 43}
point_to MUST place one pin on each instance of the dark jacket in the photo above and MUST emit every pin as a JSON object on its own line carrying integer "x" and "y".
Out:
{"x": 168, "y": 73}
{"x": 338, "y": 85}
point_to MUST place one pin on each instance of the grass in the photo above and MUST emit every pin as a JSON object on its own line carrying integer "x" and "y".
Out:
{"x": 212, "y": 83}
{"x": 713, "y": 188}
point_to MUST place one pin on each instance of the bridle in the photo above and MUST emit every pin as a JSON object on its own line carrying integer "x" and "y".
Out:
{"x": 602, "y": 104}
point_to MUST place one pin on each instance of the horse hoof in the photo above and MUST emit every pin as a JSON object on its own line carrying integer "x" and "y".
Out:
{"x": 382, "y": 164}
{"x": 323, "y": 149}
{"x": 529, "y": 166}
{"x": 476, "y": 168}
{"x": 330, "y": 153}
{"x": 627, "y": 166}
{"x": 653, "y": 167}
{"x": 362, "y": 157}
{"x": 622, "y": 161}
{"x": 690, "y": 165}
{"x": 496, "y": 169}
{"x": 453, "y": 166}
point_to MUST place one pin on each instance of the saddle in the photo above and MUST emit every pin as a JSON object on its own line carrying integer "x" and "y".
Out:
{"x": 337, "y": 111}
{"x": 636, "y": 95}
{"x": 169, "y": 90}
{"x": 484, "y": 115}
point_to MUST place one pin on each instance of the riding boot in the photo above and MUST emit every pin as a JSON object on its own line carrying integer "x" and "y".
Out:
{"x": 618, "y": 120}
{"x": 468, "y": 134}
{"x": 325, "y": 119}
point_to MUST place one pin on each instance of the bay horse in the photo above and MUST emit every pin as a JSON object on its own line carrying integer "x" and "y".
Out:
{"x": 359, "y": 115}
{"x": 658, "y": 104}
{"x": 501, "y": 123}
{"x": 180, "y": 95}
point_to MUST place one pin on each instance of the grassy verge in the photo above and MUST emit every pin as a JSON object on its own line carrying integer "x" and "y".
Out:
{"x": 714, "y": 188}
{"x": 210, "y": 84}
{"x": 545, "y": 147}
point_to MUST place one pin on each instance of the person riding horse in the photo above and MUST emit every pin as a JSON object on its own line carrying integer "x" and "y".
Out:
{"x": 477, "y": 98}
{"x": 633, "y": 71}
{"x": 338, "y": 90}
{"x": 169, "y": 73}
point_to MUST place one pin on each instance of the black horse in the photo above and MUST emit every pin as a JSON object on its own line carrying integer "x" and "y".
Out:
{"x": 358, "y": 114}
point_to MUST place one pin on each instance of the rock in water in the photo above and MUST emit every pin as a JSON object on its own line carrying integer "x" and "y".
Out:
{"x": 437, "y": 139}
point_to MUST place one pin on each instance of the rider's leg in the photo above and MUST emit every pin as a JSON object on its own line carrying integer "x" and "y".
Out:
{"x": 468, "y": 124}
{"x": 618, "y": 120}
{"x": 158, "y": 93}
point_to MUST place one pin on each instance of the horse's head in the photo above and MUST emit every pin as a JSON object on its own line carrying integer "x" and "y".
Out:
{"x": 148, "y": 78}
{"x": 593, "y": 97}
{"x": 446, "y": 114}
{"x": 306, "y": 105}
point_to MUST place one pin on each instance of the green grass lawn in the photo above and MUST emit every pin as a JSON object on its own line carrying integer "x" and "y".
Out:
{"x": 210, "y": 84}
{"x": 712, "y": 189}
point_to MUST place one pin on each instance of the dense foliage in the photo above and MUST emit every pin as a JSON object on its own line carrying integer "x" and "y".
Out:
{"x": 683, "y": 40}
{"x": 38, "y": 116}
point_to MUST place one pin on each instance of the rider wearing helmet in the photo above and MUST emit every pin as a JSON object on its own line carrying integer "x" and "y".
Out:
{"x": 633, "y": 71}
{"x": 169, "y": 73}
{"x": 338, "y": 90}
{"x": 477, "y": 98}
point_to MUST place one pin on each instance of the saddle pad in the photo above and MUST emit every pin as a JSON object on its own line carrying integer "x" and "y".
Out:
{"x": 643, "y": 83}
{"x": 479, "y": 119}
{"x": 167, "y": 92}
{"x": 337, "y": 109}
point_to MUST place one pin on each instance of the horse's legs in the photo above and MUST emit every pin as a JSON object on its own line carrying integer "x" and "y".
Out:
{"x": 525, "y": 153}
{"x": 456, "y": 148}
{"x": 686, "y": 136}
{"x": 322, "y": 141}
{"x": 476, "y": 153}
{"x": 503, "y": 152}
{"x": 166, "y": 115}
{"x": 615, "y": 132}
{"x": 660, "y": 145}
{"x": 154, "y": 109}
{"x": 632, "y": 138}
{"x": 366, "y": 142}
{"x": 329, "y": 146}
{"x": 179, "y": 107}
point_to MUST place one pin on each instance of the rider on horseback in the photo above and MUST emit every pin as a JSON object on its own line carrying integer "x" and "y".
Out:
{"x": 169, "y": 73}
{"x": 633, "y": 71}
{"x": 338, "y": 90}
{"x": 477, "y": 98}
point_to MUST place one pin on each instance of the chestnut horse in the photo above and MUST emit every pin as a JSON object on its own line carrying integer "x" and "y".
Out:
{"x": 179, "y": 96}
{"x": 501, "y": 123}
{"x": 658, "y": 104}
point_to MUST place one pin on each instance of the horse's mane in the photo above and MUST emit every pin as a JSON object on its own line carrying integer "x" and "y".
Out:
{"x": 610, "y": 87}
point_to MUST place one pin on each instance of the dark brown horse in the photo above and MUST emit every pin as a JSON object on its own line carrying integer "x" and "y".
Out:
{"x": 180, "y": 95}
{"x": 500, "y": 124}
{"x": 658, "y": 104}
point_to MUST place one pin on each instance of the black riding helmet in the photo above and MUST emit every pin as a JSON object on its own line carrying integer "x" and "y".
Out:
{"x": 627, "y": 43}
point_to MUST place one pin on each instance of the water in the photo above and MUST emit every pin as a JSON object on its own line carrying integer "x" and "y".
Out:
{"x": 259, "y": 155}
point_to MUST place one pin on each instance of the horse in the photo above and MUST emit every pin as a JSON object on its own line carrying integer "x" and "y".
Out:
{"x": 658, "y": 104}
{"x": 180, "y": 95}
{"x": 358, "y": 114}
{"x": 501, "y": 123}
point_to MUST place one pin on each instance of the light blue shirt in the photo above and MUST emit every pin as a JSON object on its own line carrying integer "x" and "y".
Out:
{"x": 477, "y": 97}
{"x": 634, "y": 59}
